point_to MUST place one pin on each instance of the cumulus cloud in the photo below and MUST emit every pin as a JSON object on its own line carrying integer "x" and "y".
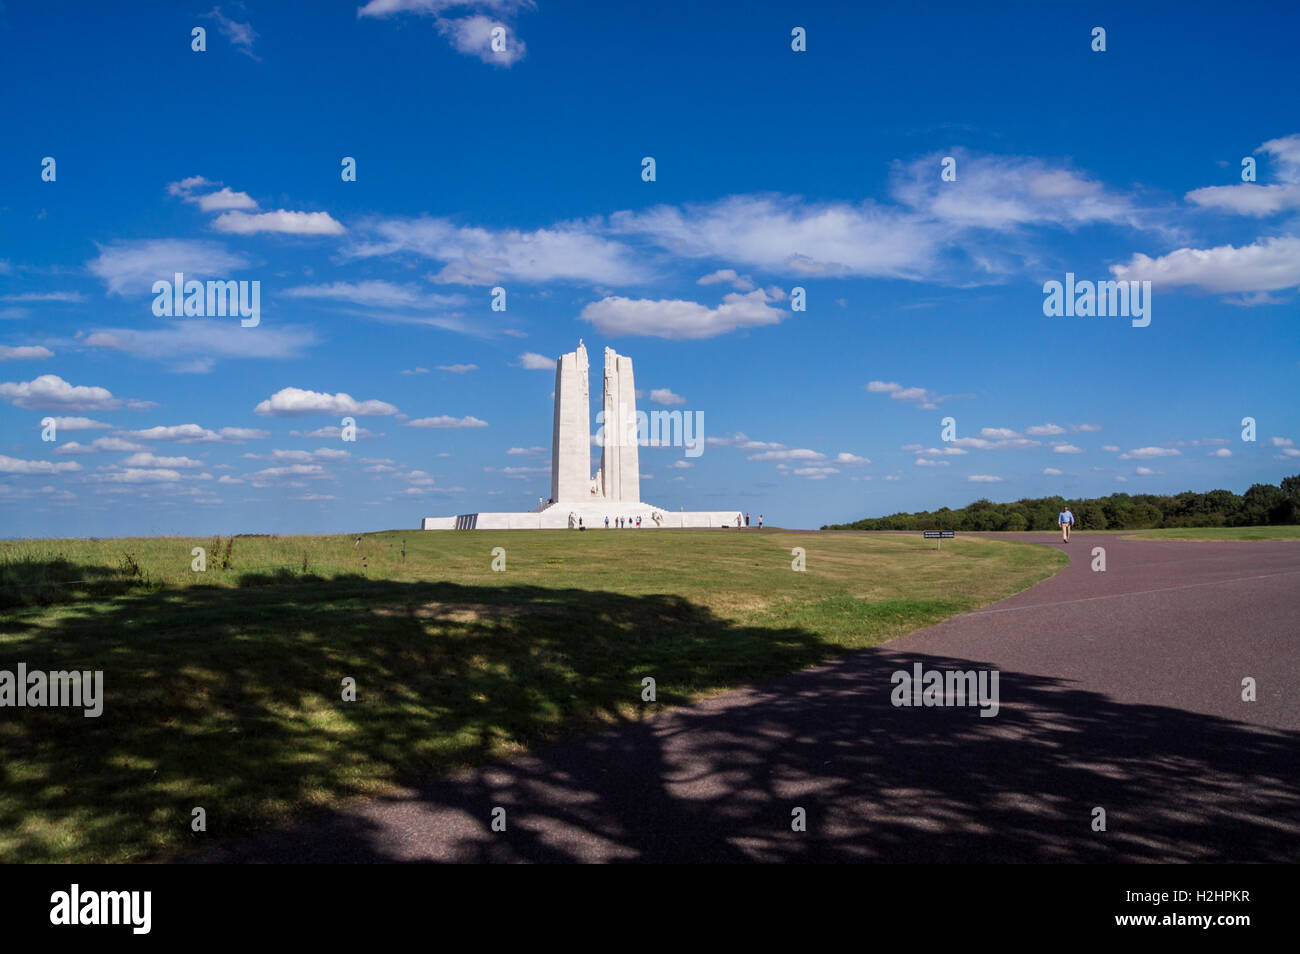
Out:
{"x": 742, "y": 283}
{"x": 1250, "y": 198}
{"x": 458, "y": 368}
{"x": 1145, "y": 453}
{"x": 445, "y": 420}
{"x": 97, "y": 446}
{"x": 471, "y": 34}
{"x": 148, "y": 459}
{"x": 676, "y": 318}
{"x": 1063, "y": 448}
{"x": 1045, "y": 430}
{"x": 198, "y": 345}
{"x": 291, "y": 402}
{"x": 801, "y": 453}
{"x": 984, "y": 479}
{"x": 923, "y": 398}
{"x": 1267, "y": 265}
{"x": 24, "y": 353}
{"x": 1051, "y": 471}
{"x": 531, "y": 361}
{"x": 281, "y": 221}
{"x": 1221, "y": 452}
{"x": 14, "y": 465}
{"x": 49, "y": 392}
{"x": 666, "y": 397}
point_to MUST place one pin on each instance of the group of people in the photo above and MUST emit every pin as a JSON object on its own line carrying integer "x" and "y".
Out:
{"x": 621, "y": 523}
{"x": 760, "y": 521}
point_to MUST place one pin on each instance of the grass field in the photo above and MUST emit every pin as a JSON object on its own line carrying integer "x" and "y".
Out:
{"x": 223, "y": 688}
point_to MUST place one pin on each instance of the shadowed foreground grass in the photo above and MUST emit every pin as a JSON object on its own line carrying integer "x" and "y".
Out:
{"x": 223, "y": 688}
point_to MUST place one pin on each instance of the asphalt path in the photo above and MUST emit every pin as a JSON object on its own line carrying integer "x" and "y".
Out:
{"x": 1119, "y": 690}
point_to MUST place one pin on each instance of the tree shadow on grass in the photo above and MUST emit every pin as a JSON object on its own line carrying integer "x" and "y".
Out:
{"x": 718, "y": 782}
{"x": 229, "y": 699}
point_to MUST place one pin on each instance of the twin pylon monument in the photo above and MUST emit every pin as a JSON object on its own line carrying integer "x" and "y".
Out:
{"x": 577, "y": 498}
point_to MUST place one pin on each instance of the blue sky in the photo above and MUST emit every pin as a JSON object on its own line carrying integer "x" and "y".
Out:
{"x": 523, "y": 169}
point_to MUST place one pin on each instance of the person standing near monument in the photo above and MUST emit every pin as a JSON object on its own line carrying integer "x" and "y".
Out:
{"x": 1066, "y": 521}
{"x": 760, "y": 521}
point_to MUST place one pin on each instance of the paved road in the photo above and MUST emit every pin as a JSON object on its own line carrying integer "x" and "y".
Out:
{"x": 1118, "y": 690}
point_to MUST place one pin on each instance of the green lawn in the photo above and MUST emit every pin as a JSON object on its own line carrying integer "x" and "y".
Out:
{"x": 223, "y": 687}
{"x": 1218, "y": 533}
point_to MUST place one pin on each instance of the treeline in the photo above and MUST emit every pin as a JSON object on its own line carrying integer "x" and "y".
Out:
{"x": 1261, "y": 505}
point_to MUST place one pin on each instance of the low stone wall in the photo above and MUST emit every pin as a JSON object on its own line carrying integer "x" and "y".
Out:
{"x": 559, "y": 517}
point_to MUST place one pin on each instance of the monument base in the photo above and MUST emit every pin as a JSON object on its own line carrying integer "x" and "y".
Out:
{"x": 592, "y": 514}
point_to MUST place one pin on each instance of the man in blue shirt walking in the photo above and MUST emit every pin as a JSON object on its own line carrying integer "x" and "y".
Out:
{"x": 1066, "y": 521}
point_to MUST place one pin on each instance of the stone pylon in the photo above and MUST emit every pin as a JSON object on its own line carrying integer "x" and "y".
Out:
{"x": 620, "y": 464}
{"x": 571, "y": 441}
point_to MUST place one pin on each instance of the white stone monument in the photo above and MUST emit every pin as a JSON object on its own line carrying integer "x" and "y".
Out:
{"x": 578, "y": 499}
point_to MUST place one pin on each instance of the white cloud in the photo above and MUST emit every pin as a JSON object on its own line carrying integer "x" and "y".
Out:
{"x": 1009, "y": 443}
{"x": 1221, "y": 452}
{"x": 984, "y": 479}
{"x": 1062, "y": 448}
{"x": 181, "y": 433}
{"x": 1267, "y": 265}
{"x": 1051, "y": 471}
{"x": 14, "y": 465}
{"x": 49, "y": 392}
{"x": 282, "y": 221}
{"x": 377, "y": 294}
{"x": 999, "y": 433}
{"x": 462, "y": 368}
{"x": 531, "y": 361}
{"x": 1006, "y": 192}
{"x": 1045, "y": 430}
{"x": 742, "y": 283}
{"x": 445, "y": 420}
{"x": 237, "y": 434}
{"x": 568, "y": 251}
{"x": 925, "y": 462}
{"x": 204, "y": 342}
{"x": 845, "y": 458}
{"x": 225, "y": 200}
{"x": 676, "y": 318}
{"x": 473, "y": 37}
{"x": 289, "y": 402}
{"x": 147, "y": 459}
{"x": 784, "y": 234}
{"x": 332, "y": 432}
{"x": 240, "y": 35}
{"x": 79, "y": 424}
{"x": 1249, "y": 198}
{"x": 518, "y": 451}
{"x": 132, "y": 267}
{"x": 923, "y": 398}
{"x": 1145, "y": 471}
{"x": 801, "y": 453}
{"x": 24, "y": 353}
{"x": 1144, "y": 453}
{"x": 98, "y": 445}
{"x": 471, "y": 34}
{"x": 1282, "y": 441}
{"x": 1112, "y": 448}
{"x": 666, "y": 397}
{"x": 1089, "y": 428}
{"x": 138, "y": 475}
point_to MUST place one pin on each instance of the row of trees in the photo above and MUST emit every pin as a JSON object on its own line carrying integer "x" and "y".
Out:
{"x": 1262, "y": 504}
